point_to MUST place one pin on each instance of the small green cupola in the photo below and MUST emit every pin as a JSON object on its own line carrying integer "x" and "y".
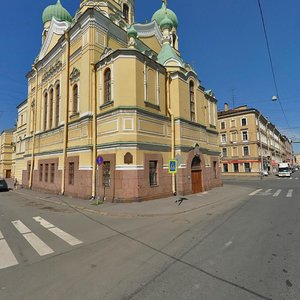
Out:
{"x": 166, "y": 23}
{"x": 57, "y": 11}
{"x": 131, "y": 32}
{"x": 159, "y": 15}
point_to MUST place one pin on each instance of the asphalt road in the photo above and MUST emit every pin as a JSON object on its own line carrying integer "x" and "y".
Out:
{"x": 246, "y": 247}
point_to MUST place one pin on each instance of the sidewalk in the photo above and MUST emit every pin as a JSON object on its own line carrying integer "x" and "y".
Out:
{"x": 151, "y": 208}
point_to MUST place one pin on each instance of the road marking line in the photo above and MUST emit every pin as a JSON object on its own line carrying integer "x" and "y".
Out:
{"x": 21, "y": 227}
{"x": 268, "y": 191}
{"x": 37, "y": 244}
{"x": 255, "y": 192}
{"x": 7, "y": 258}
{"x": 277, "y": 193}
{"x": 228, "y": 244}
{"x": 296, "y": 178}
{"x": 1, "y": 235}
{"x": 290, "y": 193}
{"x": 68, "y": 238}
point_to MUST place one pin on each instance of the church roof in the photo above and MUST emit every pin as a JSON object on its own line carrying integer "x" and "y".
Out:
{"x": 160, "y": 14}
{"x": 57, "y": 11}
{"x": 167, "y": 53}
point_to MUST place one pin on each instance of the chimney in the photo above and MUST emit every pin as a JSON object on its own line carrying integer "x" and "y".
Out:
{"x": 226, "y": 107}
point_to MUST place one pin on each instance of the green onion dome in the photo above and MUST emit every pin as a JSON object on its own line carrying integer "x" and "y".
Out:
{"x": 160, "y": 15}
{"x": 57, "y": 11}
{"x": 166, "y": 23}
{"x": 131, "y": 32}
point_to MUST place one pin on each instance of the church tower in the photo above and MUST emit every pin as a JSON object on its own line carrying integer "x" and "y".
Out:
{"x": 159, "y": 17}
{"x": 120, "y": 12}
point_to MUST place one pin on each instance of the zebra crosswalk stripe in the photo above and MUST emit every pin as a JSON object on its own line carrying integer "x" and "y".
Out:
{"x": 277, "y": 193}
{"x": 68, "y": 238}
{"x": 267, "y": 192}
{"x": 290, "y": 193}
{"x": 7, "y": 258}
{"x": 255, "y": 192}
{"x": 37, "y": 244}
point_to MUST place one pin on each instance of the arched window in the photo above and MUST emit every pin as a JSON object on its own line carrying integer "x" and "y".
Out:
{"x": 57, "y": 104}
{"x": 126, "y": 12}
{"x": 51, "y": 108}
{"x": 107, "y": 86}
{"x": 75, "y": 98}
{"x": 45, "y": 110}
{"x": 192, "y": 101}
{"x": 196, "y": 163}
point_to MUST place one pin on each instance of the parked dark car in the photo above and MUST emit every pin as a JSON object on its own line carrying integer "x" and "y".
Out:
{"x": 3, "y": 185}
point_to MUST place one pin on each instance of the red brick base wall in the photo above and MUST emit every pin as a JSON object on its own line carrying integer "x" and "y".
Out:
{"x": 126, "y": 185}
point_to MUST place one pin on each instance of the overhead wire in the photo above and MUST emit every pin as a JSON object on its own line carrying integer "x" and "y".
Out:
{"x": 271, "y": 61}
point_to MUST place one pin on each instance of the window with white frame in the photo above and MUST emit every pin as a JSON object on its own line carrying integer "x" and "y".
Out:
{"x": 224, "y": 151}
{"x": 225, "y": 168}
{"x": 223, "y": 125}
{"x": 236, "y": 167}
{"x": 223, "y": 138}
{"x": 245, "y": 136}
{"x": 247, "y": 167}
{"x": 246, "y": 150}
{"x": 244, "y": 121}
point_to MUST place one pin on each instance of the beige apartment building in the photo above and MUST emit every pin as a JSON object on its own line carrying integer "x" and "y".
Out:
{"x": 105, "y": 89}
{"x": 250, "y": 143}
{"x": 19, "y": 141}
{"x": 6, "y": 153}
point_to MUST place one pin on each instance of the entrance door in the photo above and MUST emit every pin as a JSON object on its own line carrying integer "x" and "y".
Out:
{"x": 197, "y": 181}
{"x": 196, "y": 175}
{"x": 8, "y": 173}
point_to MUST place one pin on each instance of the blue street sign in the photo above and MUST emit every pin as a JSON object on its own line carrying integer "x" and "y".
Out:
{"x": 172, "y": 166}
{"x": 99, "y": 160}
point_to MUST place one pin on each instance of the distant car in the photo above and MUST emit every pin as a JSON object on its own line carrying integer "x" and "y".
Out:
{"x": 3, "y": 186}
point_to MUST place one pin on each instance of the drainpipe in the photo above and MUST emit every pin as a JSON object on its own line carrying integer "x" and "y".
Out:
{"x": 34, "y": 127}
{"x": 94, "y": 155}
{"x": 173, "y": 131}
{"x": 63, "y": 179}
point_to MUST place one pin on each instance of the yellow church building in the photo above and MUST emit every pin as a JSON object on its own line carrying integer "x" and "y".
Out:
{"x": 110, "y": 103}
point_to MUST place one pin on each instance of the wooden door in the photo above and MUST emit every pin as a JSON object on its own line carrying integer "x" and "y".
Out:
{"x": 196, "y": 181}
{"x": 8, "y": 173}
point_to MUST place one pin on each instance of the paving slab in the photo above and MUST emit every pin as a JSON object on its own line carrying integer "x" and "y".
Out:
{"x": 158, "y": 207}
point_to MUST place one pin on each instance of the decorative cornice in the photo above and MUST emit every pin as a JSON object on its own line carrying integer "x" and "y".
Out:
{"x": 54, "y": 69}
{"x": 148, "y": 30}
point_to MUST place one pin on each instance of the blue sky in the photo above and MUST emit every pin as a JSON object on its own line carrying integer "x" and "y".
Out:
{"x": 223, "y": 40}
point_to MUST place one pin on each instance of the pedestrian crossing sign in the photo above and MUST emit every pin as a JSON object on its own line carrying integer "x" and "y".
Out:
{"x": 172, "y": 166}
